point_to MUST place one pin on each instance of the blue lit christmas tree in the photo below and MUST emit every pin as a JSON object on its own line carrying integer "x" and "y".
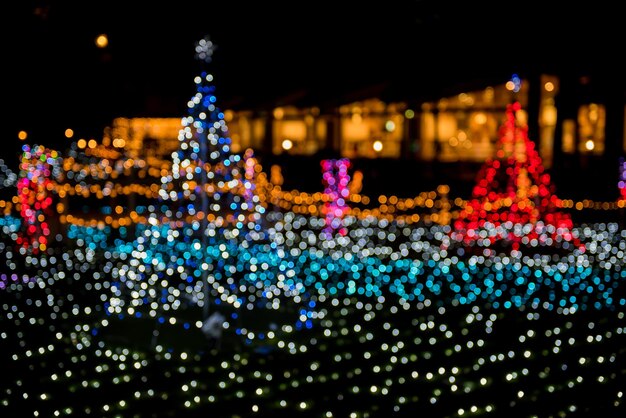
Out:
{"x": 207, "y": 187}
{"x": 194, "y": 249}
{"x": 207, "y": 195}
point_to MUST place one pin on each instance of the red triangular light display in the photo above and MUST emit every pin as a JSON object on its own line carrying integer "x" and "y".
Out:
{"x": 513, "y": 200}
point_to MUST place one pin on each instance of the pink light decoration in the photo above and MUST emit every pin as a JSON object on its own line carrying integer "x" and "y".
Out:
{"x": 336, "y": 180}
{"x": 250, "y": 164}
{"x": 513, "y": 189}
{"x": 33, "y": 191}
{"x": 621, "y": 184}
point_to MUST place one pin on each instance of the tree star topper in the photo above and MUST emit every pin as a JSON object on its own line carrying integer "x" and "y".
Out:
{"x": 205, "y": 49}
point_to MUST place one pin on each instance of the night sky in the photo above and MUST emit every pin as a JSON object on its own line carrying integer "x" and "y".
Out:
{"x": 272, "y": 53}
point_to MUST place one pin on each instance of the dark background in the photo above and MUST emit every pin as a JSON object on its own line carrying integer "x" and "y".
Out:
{"x": 267, "y": 52}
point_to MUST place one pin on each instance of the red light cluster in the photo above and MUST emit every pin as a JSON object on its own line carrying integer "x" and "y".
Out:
{"x": 513, "y": 189}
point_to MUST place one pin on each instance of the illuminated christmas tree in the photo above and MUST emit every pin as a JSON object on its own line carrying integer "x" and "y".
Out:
{"x": 207, "y": 186}
{"x": 207, "y": 217}
{"x": 337, "y": 192}
{"x": 513, "y": 200}
{"x": 34, "y": 188}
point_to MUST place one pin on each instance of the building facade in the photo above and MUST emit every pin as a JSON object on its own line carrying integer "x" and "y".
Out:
{"x": 459, "y": 128}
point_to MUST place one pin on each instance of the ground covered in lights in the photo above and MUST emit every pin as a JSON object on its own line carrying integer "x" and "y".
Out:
{"x": 381, "y": 322}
